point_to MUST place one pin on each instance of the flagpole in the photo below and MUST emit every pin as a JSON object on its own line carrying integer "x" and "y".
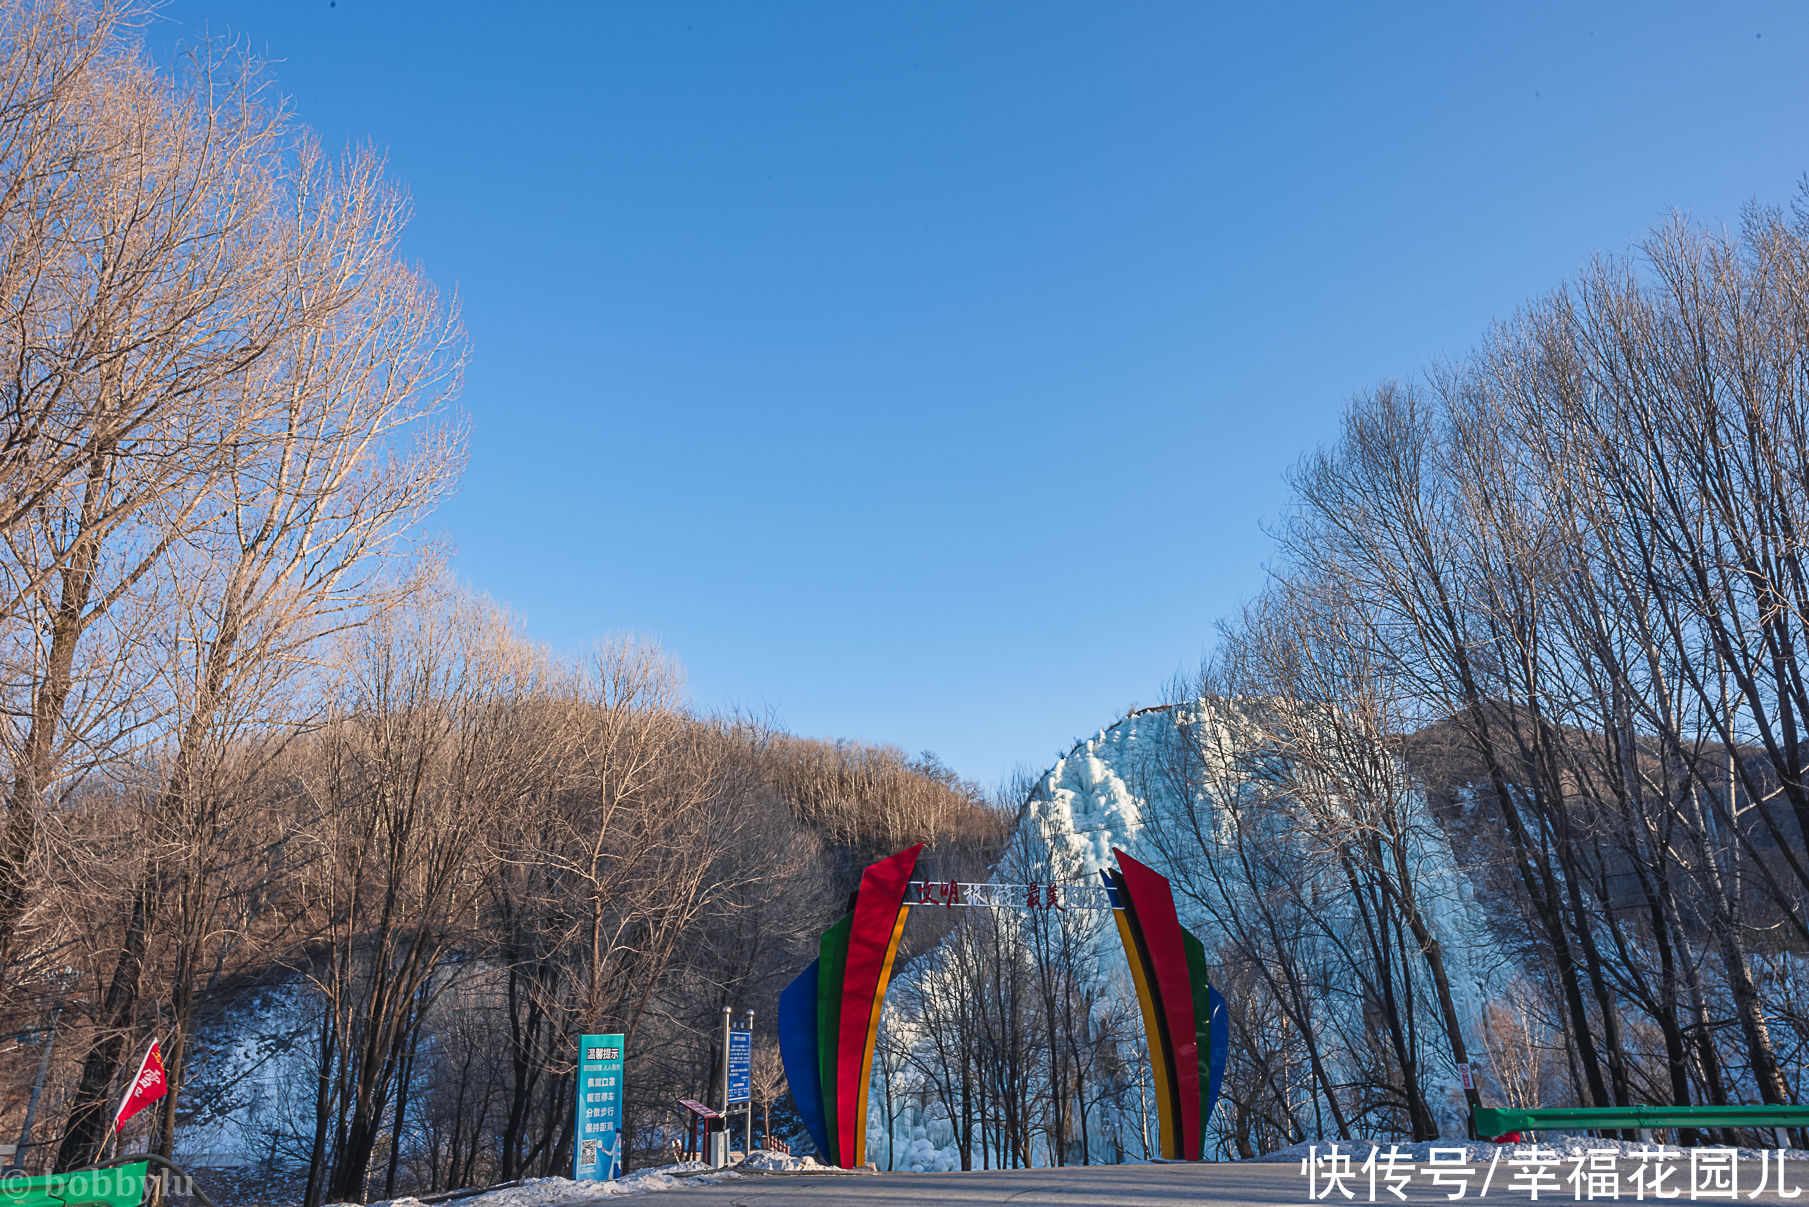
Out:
{"x": 126, "y": 1097}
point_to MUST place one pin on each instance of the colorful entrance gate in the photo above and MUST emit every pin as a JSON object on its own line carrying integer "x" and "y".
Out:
{"x": 829, "y": 1015}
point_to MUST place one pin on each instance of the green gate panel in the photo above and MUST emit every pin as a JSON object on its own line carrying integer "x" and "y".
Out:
{"x": 832, "y": 965}
{"x": 1202, "y": 1027}
{"x": 120, "y": 1186}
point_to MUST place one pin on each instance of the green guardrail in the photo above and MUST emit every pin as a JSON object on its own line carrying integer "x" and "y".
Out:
{"x": 117, "y": 1186}
{"x": 1499, "y": 1121}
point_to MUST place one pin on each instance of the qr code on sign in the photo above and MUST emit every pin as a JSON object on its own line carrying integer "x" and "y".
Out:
{"x": 587, "y": 1154}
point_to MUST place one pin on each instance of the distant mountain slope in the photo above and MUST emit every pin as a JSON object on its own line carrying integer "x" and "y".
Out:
{"x": 1136, "y": 786}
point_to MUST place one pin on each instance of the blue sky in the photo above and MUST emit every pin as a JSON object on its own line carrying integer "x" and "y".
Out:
{"x": 926, "y": 373}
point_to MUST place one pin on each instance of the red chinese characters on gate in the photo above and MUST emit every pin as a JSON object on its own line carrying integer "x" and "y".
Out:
{"x": 938, "y": 892}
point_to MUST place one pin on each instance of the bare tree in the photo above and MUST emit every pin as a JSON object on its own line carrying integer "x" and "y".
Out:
{"x": 287, "y": 553}
{"x": 766, "y": 1080}
{"x": 159, "y": 284}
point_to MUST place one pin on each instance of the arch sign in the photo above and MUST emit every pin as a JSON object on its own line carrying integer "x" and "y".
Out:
{"x": 829, "y": 1015}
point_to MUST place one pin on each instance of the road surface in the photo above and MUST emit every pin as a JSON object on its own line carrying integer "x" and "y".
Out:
{"x": 1206, "y": 1185}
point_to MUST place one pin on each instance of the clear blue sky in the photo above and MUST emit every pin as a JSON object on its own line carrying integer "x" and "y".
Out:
{"x": 925, "y": 373}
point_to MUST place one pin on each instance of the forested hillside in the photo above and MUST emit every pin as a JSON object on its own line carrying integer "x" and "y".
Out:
{"x": 393, "y": 921}
{"x": 1556, "y": 589}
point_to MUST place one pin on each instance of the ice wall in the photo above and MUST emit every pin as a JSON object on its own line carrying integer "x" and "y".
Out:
{"x": 1120, "y": 789}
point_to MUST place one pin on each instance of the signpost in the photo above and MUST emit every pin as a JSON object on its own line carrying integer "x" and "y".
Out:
{"x": 737, "y": 1065}
{"x": 741, "y": 1067}
{"x": 741, "y": 1064}
{"x": 598, "y": 1117}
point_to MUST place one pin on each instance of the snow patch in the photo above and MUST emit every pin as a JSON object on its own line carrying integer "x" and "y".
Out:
{"x": 548, "y": 1192}
{"x": 780, "y": 1163}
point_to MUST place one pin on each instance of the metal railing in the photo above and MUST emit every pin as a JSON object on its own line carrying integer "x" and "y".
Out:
{"x": 1500, "y": 1121}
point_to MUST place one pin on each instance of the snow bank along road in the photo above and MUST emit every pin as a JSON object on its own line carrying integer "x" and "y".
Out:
{"x": 1207, "y": 1185}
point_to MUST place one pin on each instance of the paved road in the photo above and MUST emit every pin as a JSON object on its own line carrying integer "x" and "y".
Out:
{"x": 1097, "y": 1186}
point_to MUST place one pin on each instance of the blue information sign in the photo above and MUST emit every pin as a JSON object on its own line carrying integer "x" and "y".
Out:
{"x": 741, "y": 1060}
{"x": 599, "y": 1113}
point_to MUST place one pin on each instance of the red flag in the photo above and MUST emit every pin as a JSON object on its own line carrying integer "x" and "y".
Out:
{"x": 147, "y": 1087}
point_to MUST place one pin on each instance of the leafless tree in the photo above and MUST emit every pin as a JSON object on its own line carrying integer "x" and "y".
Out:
{"x": 287, "y": 555}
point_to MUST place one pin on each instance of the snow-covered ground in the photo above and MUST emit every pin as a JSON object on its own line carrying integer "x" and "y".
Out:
{"x": 546, "y": 1192}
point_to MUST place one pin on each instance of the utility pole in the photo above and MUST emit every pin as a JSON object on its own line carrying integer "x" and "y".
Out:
{"x": 719, "y": 1153}
{"x": 48, "y": 1038}
{"x": 748, "y": 1149}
